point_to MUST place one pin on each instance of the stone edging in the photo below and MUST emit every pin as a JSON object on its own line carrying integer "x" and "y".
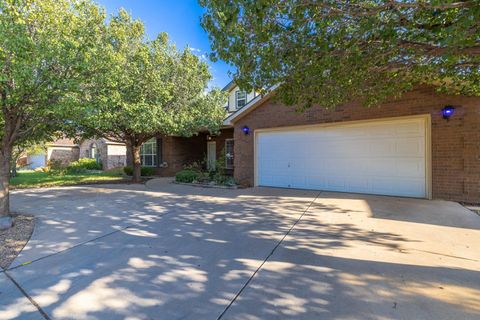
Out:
{"x": 203, "y": 185}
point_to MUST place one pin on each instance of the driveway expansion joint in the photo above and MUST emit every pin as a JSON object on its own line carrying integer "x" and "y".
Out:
{"x": 267, "y": 257}
{"x": 27, "y": 263}
{"x": 32, "y": 301}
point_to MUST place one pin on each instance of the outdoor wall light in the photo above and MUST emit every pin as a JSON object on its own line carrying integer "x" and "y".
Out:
{"x": 447, "y": 112}
{"x": 246, "y": 130}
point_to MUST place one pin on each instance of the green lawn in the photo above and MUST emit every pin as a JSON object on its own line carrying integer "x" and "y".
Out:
{"x": 32, "y": 179}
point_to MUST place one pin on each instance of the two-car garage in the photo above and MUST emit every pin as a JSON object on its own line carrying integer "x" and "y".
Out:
{"x": 387, "y": 157}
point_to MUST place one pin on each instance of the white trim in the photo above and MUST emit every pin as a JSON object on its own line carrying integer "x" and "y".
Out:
{"x": 154, "y": 154}
{"x": 428, "y": 142}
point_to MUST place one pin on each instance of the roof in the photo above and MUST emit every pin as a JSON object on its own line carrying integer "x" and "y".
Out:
{"x": 63, "y": 142}
{"x": 230, "y": 86}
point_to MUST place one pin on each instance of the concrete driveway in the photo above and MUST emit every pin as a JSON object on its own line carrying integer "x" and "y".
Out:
{"x": 165, "y": 251}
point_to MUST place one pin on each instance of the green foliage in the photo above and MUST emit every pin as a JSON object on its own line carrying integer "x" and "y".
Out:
{"x": 46, "y": 52}
{"x": 144, "y": 171}
{"x": 47, "y": 49}
{"x": 83, "y": 165}
{"x": 187, "y": 176}
{"x": 197, "y": 171}
{"x": 196, "y": 165}
{"x": 33, "y": 179}
{"x": 148, "y": 87}
{"x": 330, "y": 52}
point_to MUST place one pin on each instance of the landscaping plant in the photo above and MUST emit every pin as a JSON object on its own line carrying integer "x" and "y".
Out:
{"x": 144, "y": 171}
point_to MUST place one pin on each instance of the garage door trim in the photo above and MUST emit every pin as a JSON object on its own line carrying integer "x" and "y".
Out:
{"x": 425, "y": 117}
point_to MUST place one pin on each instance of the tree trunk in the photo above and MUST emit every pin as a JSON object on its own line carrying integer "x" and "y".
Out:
{"x": 13, "y": 171}
{"x": 129, "y": 160}
{"x": 137, "y": 164}
{"x": 5, "y": 157}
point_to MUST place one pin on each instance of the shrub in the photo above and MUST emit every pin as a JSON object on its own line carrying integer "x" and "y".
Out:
{"x": 197, "y": 166}
{"x": 55, "y": 167}
{"x": 83, "y": 165}
{"x": 187, "y": 176}
{"x": 144, "y": 171}
{"x": 147, "y": 171}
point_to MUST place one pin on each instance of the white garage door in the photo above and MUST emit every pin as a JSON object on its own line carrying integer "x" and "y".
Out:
{"x": 377, "y": 157}
{"x": 36, "y": 161}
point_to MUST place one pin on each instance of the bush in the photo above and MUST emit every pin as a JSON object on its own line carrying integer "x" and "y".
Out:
{"x": 55, "y": 167}
{"x": 144, "y": 171}
{"x": 187, "y": 176}
{"x": 83, "y": 165}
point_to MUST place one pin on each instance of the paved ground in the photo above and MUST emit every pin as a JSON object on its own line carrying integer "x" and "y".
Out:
{"x": 174, "y": 252}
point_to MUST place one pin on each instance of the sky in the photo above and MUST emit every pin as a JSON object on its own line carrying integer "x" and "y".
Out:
{"x": 181, "y": 20}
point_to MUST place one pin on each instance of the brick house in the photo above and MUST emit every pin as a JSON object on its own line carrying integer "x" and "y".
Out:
{"x": 404, "y": 147}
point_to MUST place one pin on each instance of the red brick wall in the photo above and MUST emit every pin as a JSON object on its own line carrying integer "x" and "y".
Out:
{"x": 455, "y": 143}
{"x": 179, "y": 151}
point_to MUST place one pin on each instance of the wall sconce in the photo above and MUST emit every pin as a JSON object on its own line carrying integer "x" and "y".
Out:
{"x": 246, "y": 130}
{"x": 447, "y": 112}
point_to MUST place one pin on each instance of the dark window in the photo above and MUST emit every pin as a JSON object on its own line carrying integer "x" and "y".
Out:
{"x": 148, "y": 153}
{"x": 240, "y": 99}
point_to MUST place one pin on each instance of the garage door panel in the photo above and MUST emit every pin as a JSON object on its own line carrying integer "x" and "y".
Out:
{"x": 371, "y": 157}
{"x": 398, "y": 186}
{"x": 410, "y": 168}
{"x": 410, "y": 146}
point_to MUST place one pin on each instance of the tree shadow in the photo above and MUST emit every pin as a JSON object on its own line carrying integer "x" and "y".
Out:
{"x": 184, "y": 253}
{"x": 433, "y": 212}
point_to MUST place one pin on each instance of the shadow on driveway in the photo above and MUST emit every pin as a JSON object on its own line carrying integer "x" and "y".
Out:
{"x": 176, "y": 252}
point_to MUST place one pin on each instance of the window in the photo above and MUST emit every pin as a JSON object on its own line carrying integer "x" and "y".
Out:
{"x": 229, "y": 153}
{"x": 148, "y": 153}
{"x": 240, "y": 99}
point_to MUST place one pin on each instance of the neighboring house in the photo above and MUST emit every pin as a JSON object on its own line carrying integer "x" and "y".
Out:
{"x": 404, "y": 147}
{"x": 110, "y": 154}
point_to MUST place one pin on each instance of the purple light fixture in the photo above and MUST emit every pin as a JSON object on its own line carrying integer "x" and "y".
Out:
{"x": 447, "y": 112}
{"x": 246, "y": 130}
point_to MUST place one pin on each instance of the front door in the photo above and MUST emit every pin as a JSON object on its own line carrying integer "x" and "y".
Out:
{"x": 211, "y": 154}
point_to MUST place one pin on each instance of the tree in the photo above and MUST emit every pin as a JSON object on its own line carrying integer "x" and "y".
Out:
{"x": 148, "y": 88}
{"x": 332, "y": 51}
{"x": 45, "y": 47}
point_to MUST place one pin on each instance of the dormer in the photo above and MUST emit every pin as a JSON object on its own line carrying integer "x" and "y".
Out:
{"x": 237, "y": 98}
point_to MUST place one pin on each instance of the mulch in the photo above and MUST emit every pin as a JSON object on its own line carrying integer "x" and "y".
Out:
{"x": 14, "y": 239}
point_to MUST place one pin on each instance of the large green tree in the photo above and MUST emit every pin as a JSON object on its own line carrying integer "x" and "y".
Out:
{"x": 45, "y": 48}
{"x": 149, "y": 88}
{"x": 332, "y": 51}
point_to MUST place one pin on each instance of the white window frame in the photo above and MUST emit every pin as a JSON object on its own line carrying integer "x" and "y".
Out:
{"x": 238, "y": 98}
{"x": 153, "y": 155}
{"x": 229, "y": 156}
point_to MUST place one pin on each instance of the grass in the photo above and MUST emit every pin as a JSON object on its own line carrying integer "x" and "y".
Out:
{"x": 32, "y": 179}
